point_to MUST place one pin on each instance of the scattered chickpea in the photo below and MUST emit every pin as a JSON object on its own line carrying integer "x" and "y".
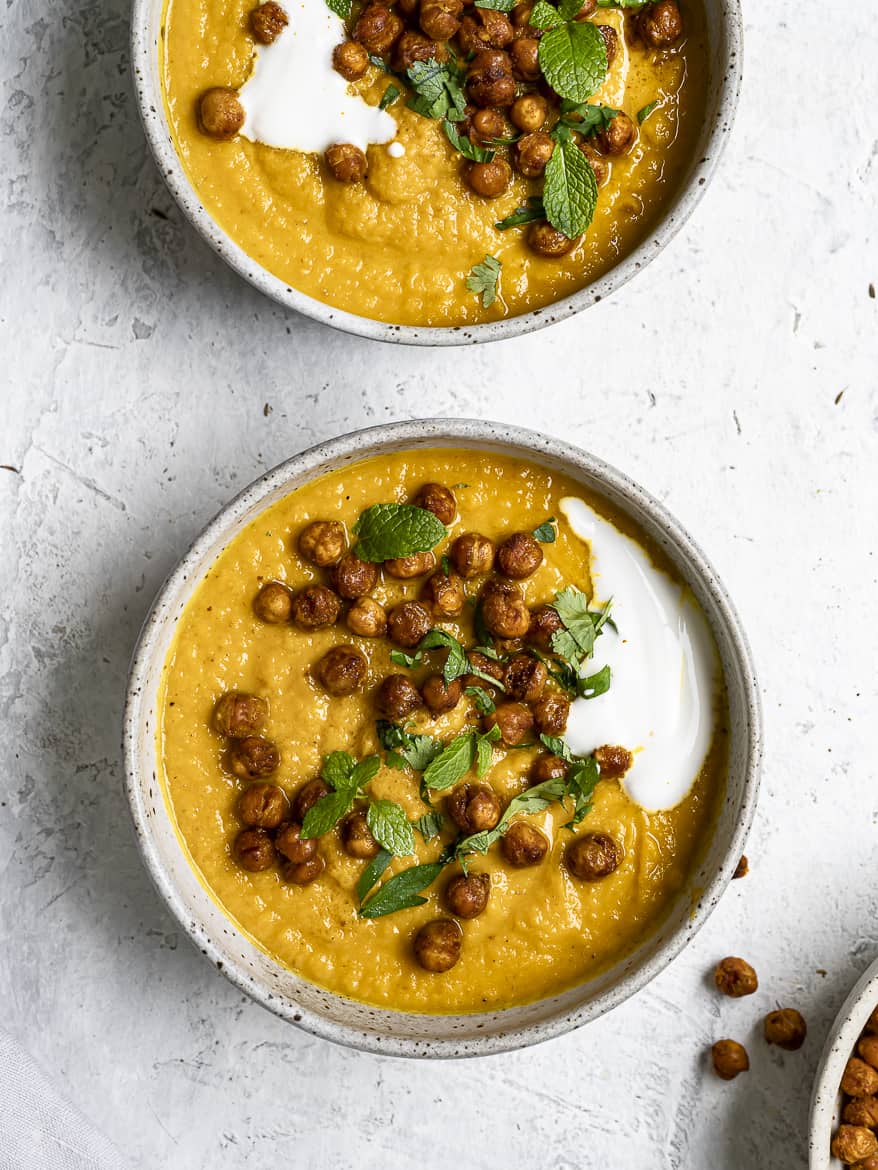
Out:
{"x": 440, "y": 19}
{"x": 416, "y": 565}
{"x": 346, "y": 162}
{"x": 544, "y": 622}
{"x": 253, "y": 758}
{"x": 262, "y": 806}
{"x": 413, "y": 46}
{"x": 367, "y": 618}
{"x": 353, "y": 578}
{"x": 614, "y": 761}
{"x": 341, "y": 671}
{"x": 546, "y": 240}
{"x": 484, "y": 28}
{"x": 473, "y": 807}
{"x": 597, "y": 162}
{"x": 307, "y": 797}
{"x": 407, "y": 623}
{"x": 487, "y": 124}
{"x": 523, "y": 845}
{"x": 729, "y": 1059}
{"x": 253, "y": 850}
{"x": 528, "y": 112}
{"x": 532, "y": 154}
{"x": 315, "y": 606}
{"x": 868, "y": 1050}
{"x": 396, "y": 697}
{"x": 472, "y": 555}
{"x": 611, "y": 41}
{"x": 594, "y": 856}
{"x": 377, "y": 29}
{"x": 238, "y": 714}
{"x": 466, "y": 895}
{"x": 525, "y": 678}
{"x": 274, "y": 603}
{"x": 859, "y": 1078}
{"x": 661, "y": 24}
{"x": 440, "y": 696}
{"x": 618, "y": 137}
{"x": 786, "y": 1028}
{"x": 853, "y": 1143}
{"x": 742, "y": 868}
{"x": 350, "y": 59}
{"x": 220, "y": 113}
{"x": 443, "y": 594}
{"x": 267, "y": 22}
{"x": 489, "y": 179}
{"x": 547, "y": 767}
{"x": 356, "y": 836}
{"x": 504, "y": 611}
{"x": 302, "y": 873}
{"x": 524, "y": 53}
{"x": 514, "y": 720}
{"x": 294, "y": 847}
{"x": 323, "y": 543}
{"x": 735, "y": 977}
{"x": 550, "y": 714}
{"x": 861, "y": 1111}
{"x": 437, "y": 498}
{"x": 520, "y": 554}
{"x": 438, "y": 945}
{"x": 489, "y": 79}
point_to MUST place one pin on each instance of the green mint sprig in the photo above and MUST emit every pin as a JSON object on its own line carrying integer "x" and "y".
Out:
{"x": 341, "y": 8}
{"x": 438, "y": 89}
{"x": 403, "y": 748}
{"x": 389, "y": 96}
{"x": 546, "y": 532}
{"x": 645, "y": 112}
{"x": 572, "y": 54}
{"x": 348, "y": 779}
{"x": 387, "y": 531}
{"x": 467, "y": 750}
{"x": 531, "y": 210}
{"x": 465, "y": 145}
{"x": 403, "y": 890}
{"x": 570, "y": 190}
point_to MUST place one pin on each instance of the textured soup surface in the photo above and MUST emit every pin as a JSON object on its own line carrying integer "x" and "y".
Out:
{"x": 542, "y": 931}
{"x": 398, "y": 247}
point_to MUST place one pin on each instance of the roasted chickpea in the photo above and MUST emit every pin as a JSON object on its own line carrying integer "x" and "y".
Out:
{"x": 238, "y": 714}
{"x": 546, "y": 240}
{"x": 524, "y": 53}
{"x": 315, "y": 606}
{"x": 489, "y": 79}
{"x": 514, "y": 720}
{"x": 485, "y": 125}
{"x": 489, "y": 179}
{"x": 346, "y": 162}
{"x": 870, "y": 1163}
{"x": 396, "y": 697}
{"x": 532, "y": 153}
{"x": 416, "y": 565}
{"x": 504, "y": 611}
{"x": 786, "y": 1028}
{"x": 520, "y": 554}
{"x": 262, "y": 806}
{"x": 597, "y": 162}
{"x": 484, "y": 665}
{"x": 467, "y": 894}
{"x": 521, "y": 15}
{"x": 357, "y": 838}
{"x": 350, "y": 59}
{"x": 443, "y": 594}
{"x": 483, "y": 28}
{"x": 252, "y": 757}
{"x": 742, "y": 868}
{"x": 618, "y": 137}
{"x": 473, "y": 807}
{"x": 611, "y": 41}
{"x": 853, "y": 1143}
{"x": 273, "y": 603}
{"x": 547, "y": 767}
{"x": 220, "y": 114}
{"x": 438, "y": 945}
{"x": 594, "y": 856}
{"x": 661, "y": 24}
{"x": 525, "y": 679}
{"x": 861, "y": 1111}
{"x": 735, "y": 977}
{"x": 413, "y": 46}
{"x": 544, "y": 622}
{"x": 341, "y": 670}
{"x": 472, "y": 555}
{"x": 859, "y": 1079}
{"x": 302, "y": 873}
{"x": 307, "y": 797}
{"x": 440, "y": 696}
{"x": 614, "y": 761}
{"x": 438, "y": 499}
{"x": 550, "y": 714}
{"x": 323, "y": 543}
{"x": 253, "y": 850}
{"x": 289, "y": 842}
{"x": 729, "y": 1059}
{"x": 353, "y": 578}
{"x": 407, "y": 623}
{"x": 267, "y": 22}
{"x": 528, "y": 112}
{"x": 867, "y": 1049}
{"x": 367, "y": 618}
{"x": 523, "y": 845}
{"x": 440, "y": 19}
{"x": 377, "y": 29}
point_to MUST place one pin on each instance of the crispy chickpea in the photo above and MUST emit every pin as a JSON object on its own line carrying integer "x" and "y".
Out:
{"x": 514, "y": 720}
{"x": 377, "y": 29}
{"x": 546, "y": 240}
{"x": 523, "y": 845}
{"x": 521, "y": 14}
{"x": 742, "y": 868}
{"x": 853, "y": 1143}
{"x": 238, "y": 714}
{"x": 735, "y": 977}
{"x": 267, "y": 22}
{"x": 341, "y": 670}
{"x": 544, "y": 622}
{"x": 367, "y": 618}
{"x": 472, "y": 555}
{"x": 861, "y": 1111}
{"x": 483, "y": 28}
{"x": 524, "y": 678}
{"x": 487, "y": 124}
{"x": 220, "y": 113}
{"x": 273, "y": 603}
{"x": 253, "y": 757}
{"x": 550, "y": 714}
{"x": 289, "y": 841}
{"x": 413, "y": 46}
{"x": 346, "y": 162}
{"x": 532, "y": 153}
{"x": 302, "y": 873}
{"x": 262, "y": 806}
{"x": 786, "y": 1028}
{"x": 614, "y": 761}
{"x": 867, "y": 1049}
{"x": 618, "y": 137}
{"x": 859, "y": 1079}
{"x": 440, "y": 19}
{"x": 870, "y": 1163}
{"x": 350, "y": 59}
{"x": 407, "y": 623}
{"x": 443, "y": 594}
{"x": 307, "y": 797}
{"x": 729, "y": 1059}
{"x": 440, "y": 696}
{"x": 489, "y": 79}
{"x": 438, "y": 945}
{"x": 357, "y": 838}
{"x": 489, "y": 179}
{"x": 416, "y": 565}
{"x": 547, "y": 767}
{"x": 315, "y": 606}
{"x": 396, "y": 697}
{"x": 594, "y": 856}
{"x": 528, "y": 112}
{"x": 353, "y": 578}
{"x": 467, "y": 894}
{"x": 525, "y": 55}
{"x": 253, "y": 850}
{"x": 473, "y": 807}
{"x": 439, "y": 500}
{"x": 323, "y": 543}
{"x": 611, "y": 41}
{"x": 485, "y": 665}
{"x": 520, "y": 554}
{"x": 504, "y": 611}
{"x": 661, "y": 24}
{"x": 597, "y": 162}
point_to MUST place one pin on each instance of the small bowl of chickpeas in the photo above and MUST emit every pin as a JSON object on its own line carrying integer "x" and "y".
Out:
{"x": 844, "y": 1107}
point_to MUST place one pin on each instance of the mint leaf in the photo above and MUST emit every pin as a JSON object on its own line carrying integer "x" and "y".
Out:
{"x": 430, "y": 825}
{"x": 595, "y": 684}
{"x": 388, "y": 97}
{"x": 573, "y": 58}
{"x": 341, "y": 8}
{"x": 485, "y": 705}
{"x": 586, "y": 117}
{"x": 546, "y": 533}
{"x": 484, "y": 754}
{"x": 582, "y": 779}
{"x": 373, "y": 872}
{"x": 484, "y": 278}
{"x": 571, "y": 606}
{"x": 570, "y": 190}
{"x": 569, "y": 9}
{"x": 544, "y": 15}
{"x": 623, "y": 3}
{"x": 390, "y": 827}
{"x": 400, "y": 658}
{"x": 337, "y": 769}
{"x": 452, "y": 763}
{"x": 401, "y": 892}
{"x": 558, "y": 747}
{"x": 416, "y": 750}
{"x": 437, "y": 87}
{"x": 328, "y": 811}
{"x": 644, "y": 113}
{"x": 532, "y": 800}
{"x": 465, "y": 145}
{"x": 365, "y": 771}
{"x": 388, "y": 531}
{"x": 456, "y": 663}
{"x": 532, "y": 210}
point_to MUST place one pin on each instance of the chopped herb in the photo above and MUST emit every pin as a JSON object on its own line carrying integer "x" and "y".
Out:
{"x": 532, "y": 800}
{"x": 570, "y": 190}
{"x": 595, "y": 684}
{"x": 452, "y": 763}
{"x": 430, "y": 825}
{"x": 643, "y": 114}
{"x": 484, "y": 754}
{"x": 328, "y": 811}
{"x": 348, "y": 779}
{"x": 341, "y": 8}
{"x": 401, "y": 892}
{"x": 456, "y": 486}
{"x": 387, "y": 531}
{"x": 389, "y": 96}
{"x": 456, "y": 663}
{"x": 446, "y": 566}
{"x": 544, "y": 15}
{"x": 465, "y": 145}
{"x": 400, "y": 658}
{"x": 532, "y": 210}
{"x": 557, "y": 746}
{"x": 546, "y": 532}
{"x": 484, "y": 278}
{"x": 438, "y": 89}
{"x": 582, "y": 779}
{"x": 483, "y": 701}
{"x": 415, "y": 750}
{"x": 373, "y": 872}
{"x": 623, "y": 3}
{"x": 585, "y": 117}
{"x": 390, "y": 827}
{"x": 483, "y": 634}
{"x": 572, "y": 55}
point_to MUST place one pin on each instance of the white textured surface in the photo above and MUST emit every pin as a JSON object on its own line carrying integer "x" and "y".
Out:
{"x": 135, "y": 372}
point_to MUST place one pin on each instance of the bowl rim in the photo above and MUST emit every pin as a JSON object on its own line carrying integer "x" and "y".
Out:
{"x": 838, "y": 1048}
{"x": 667, "y": 225}
{"x": 519, "y": 442}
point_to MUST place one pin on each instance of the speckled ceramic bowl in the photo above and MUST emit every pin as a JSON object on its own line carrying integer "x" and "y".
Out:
{"x": 725, "y": 32}
{"x": 839, "y": 1048}
{"x": 344, "y": 1020}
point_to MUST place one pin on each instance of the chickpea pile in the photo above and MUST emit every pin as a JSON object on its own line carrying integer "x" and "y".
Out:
{"x": 856, "y": 1140}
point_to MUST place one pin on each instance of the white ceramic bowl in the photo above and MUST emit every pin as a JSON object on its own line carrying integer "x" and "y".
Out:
{"x": 344, "y": 1020}
{"x": 839, "y": 1048}
{"x": 725, "y": 33}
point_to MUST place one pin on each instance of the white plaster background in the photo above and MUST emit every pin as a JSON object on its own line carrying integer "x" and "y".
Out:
{"x": 737, "y": 378}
